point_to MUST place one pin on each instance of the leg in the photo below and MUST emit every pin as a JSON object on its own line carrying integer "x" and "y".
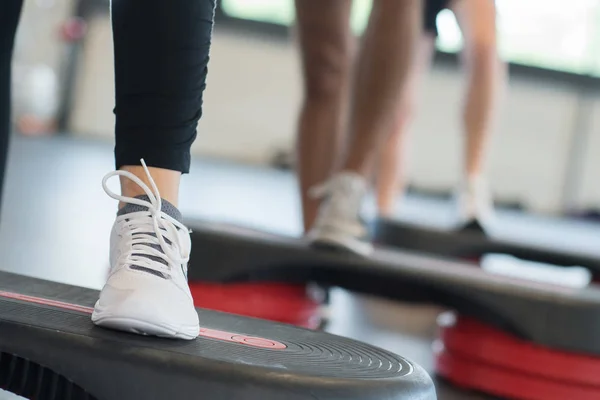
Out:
{"x": 391, "y": 160}
{"x": 384, "y": 63}
{"x": 160, "y": 74}
{"x": 10, "y": 10}
{"x": 161, "y": 57}
{"x": 325, "y": 47}
{"x": 485, "y": 78}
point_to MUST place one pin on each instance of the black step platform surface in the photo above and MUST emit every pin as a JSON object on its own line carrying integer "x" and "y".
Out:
{"x": 46, "y": 326}
{"x": 554, "y": 316}
{"x": 467, "y": 244}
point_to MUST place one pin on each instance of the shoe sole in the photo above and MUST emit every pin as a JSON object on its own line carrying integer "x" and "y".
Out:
{"x": 145, "y": 328}
{"x": 338, "y": 242}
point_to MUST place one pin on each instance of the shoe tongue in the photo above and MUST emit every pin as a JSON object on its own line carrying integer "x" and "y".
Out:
{"x": 346, "y": 195}
{"x": 166, "y": 207}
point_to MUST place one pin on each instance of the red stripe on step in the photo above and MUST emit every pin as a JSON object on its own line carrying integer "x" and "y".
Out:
{"x": 251, "y": 341}
{"x": 46, "y": 302}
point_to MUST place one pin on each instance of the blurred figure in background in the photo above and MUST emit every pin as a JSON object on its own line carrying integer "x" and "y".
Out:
{"x": 484, "y": 79}
{"x": 384, "y": 63}
{"x": 326, "y": 49}
{"x": 394, "y": 52}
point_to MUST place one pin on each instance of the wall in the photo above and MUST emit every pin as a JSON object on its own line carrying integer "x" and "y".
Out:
{"x": 39, "y": 57}
{"x": 253, "y": 95}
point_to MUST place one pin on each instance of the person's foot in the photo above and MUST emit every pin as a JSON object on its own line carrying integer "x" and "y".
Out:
{"x": 338, "y": 222}
{"x": 147, "y": 290}
{"x": 475, "y": 207}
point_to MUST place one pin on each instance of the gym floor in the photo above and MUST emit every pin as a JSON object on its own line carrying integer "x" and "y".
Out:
{"x": 56, "y": 220}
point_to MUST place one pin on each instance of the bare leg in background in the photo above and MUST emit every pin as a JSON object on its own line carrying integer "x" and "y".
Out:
{"x": 382, "y": 71}
{"x": 389, "y": 178}
{"x": 383, "y": 67}
{"x": 325, "y": 39}
{"x": 485, "y": 75}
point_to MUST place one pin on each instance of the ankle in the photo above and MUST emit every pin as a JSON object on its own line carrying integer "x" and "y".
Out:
{"x": 474, "y": 185}
{"x": 167, "y": 183}
{"x": 475, "y": 199}
{"x": 350, "y": 174}
{"x": 474, "y": 178}
{"x": 385, "y": 209}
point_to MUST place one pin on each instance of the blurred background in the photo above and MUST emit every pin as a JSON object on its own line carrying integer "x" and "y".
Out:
{"x": 546, "y": 152}
{"x": 545, "y": 158}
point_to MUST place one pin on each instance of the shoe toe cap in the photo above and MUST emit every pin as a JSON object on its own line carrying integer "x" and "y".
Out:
{"x": 157, "y": 306}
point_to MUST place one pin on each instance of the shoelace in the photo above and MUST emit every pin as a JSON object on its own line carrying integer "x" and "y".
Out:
{"x": 151, "y": 227}
{"x": 342, "y": 194}
{"x": 346, "y": 201}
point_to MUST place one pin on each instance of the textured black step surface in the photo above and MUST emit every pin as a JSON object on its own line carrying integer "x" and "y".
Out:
{"x": 46, "y": 326}
{"x": 471, "y": 243}
{"x": 34, "y": 381}
{"x": 557, "y": 317}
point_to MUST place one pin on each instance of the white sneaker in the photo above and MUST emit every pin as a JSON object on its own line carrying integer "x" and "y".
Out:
{"x": 474, "y": 203}
{"x": 338, "y": 222}
{"x": 147, "y": 291}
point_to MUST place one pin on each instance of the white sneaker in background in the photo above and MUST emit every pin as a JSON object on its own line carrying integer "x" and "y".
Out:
{"x": 338, "y": 222}
{"x": 147, "y": 290}
{"x": 474, "y": 203}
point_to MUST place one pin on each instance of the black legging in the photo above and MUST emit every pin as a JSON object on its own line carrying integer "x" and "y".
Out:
{"x": 161, "y": 56}
{"x": 9, "y": 18}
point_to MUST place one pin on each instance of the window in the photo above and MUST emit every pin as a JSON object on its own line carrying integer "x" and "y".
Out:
{"x": 552, "y": 34}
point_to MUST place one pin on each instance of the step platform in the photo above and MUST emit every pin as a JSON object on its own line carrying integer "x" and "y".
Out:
{"x": 553, "y": 316}
{"x": 471, "y": 244}
{"x": 475, "y": 356}
{"x": 49, "y": 348}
